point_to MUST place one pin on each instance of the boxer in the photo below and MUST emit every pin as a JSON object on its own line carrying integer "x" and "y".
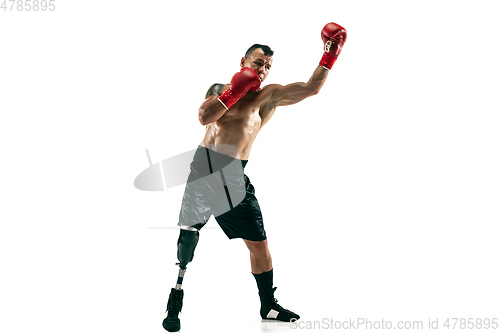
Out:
{"x": 234, "y": 114}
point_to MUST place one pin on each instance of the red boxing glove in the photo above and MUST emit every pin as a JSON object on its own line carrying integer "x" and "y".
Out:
{"x": 334, "y": 37}
{"x": 243, "y": 81}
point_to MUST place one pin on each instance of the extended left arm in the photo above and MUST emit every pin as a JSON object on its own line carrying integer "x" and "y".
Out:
{"x": 334, "y": 37}
{"x": 296, "y": 92}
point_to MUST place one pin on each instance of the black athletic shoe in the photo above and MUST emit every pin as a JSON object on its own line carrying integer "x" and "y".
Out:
{"x": 174, "y": 306}
{"x": 270, "y": 309}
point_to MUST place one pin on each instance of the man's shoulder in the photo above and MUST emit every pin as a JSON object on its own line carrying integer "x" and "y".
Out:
{"x": 216, "y": 89}
{"x": 266, "y": 93}
{"x": 272, "y": 86}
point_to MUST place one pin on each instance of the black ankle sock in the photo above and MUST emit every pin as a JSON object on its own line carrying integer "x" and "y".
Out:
{"x": 264, "y": 280}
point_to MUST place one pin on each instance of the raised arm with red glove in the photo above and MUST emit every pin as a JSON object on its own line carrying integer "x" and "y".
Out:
{"x": 334, "y": 37}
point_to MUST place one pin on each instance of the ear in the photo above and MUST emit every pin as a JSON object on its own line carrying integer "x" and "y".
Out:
{"x": 242, "y": 62}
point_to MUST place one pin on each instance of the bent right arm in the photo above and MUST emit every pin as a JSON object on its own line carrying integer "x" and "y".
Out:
{"x": 212, "y": 109}
{"x": 220, "y": 101}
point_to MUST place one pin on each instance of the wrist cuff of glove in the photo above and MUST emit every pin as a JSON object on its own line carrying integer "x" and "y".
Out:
{"x": 327, "y": 60}
{"x": 228, "y": 98}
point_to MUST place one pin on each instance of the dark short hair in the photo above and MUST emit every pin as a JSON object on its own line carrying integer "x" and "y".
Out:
{"x": 267, "y": 50}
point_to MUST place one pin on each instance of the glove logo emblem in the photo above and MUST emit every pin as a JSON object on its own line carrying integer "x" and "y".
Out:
{"x": 328, "y": 45}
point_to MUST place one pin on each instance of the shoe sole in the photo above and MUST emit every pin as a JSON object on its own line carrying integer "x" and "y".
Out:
{"x": 171, "y": 325}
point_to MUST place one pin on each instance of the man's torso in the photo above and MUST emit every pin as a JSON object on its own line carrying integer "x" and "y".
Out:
{"x": 240, "y": 125}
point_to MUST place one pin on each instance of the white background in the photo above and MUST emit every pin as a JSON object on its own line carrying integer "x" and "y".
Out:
{"x": 380, "y": 195}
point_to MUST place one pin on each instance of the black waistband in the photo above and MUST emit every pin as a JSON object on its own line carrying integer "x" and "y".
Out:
{"x": 219, "y": 160}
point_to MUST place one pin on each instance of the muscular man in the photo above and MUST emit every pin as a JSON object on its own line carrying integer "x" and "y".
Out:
{"x": 234, "y": 114}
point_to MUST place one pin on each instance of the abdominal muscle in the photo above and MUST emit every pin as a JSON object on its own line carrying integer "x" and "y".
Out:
{"x": 234, "y": 130}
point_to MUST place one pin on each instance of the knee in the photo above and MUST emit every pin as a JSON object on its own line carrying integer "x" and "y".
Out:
{"x": 258, "y": 248}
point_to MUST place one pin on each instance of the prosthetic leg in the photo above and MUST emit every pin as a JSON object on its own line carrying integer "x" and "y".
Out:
{"x": 188, "y": 239}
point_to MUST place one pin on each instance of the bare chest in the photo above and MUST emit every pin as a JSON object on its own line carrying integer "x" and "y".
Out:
{"x": 244, "y": 114}
{"x": 243, "y": 123}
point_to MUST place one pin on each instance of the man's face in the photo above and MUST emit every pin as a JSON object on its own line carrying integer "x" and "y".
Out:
{"x": 259, "y": 62}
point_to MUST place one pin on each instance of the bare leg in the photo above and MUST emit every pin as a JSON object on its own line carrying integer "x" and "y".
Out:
{"x": 260, "y": 257}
